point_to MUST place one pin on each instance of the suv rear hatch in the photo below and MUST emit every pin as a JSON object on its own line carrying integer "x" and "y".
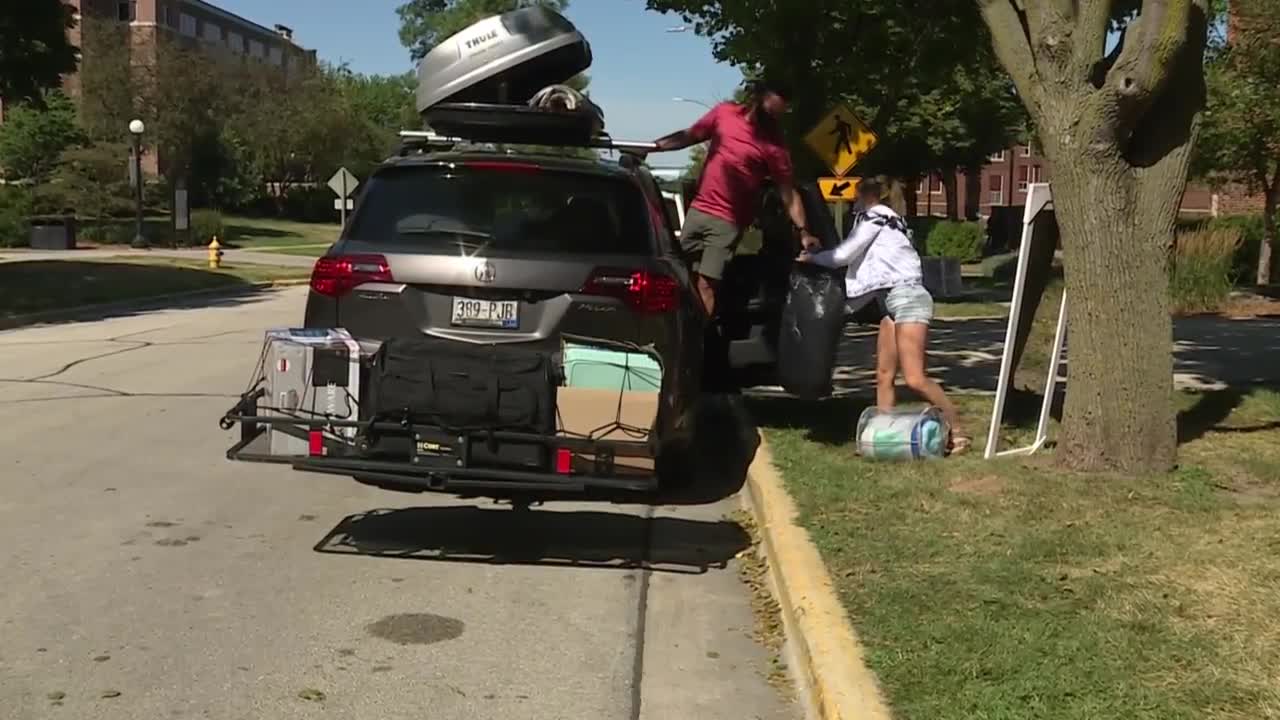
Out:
{"x": 498, "y": 250}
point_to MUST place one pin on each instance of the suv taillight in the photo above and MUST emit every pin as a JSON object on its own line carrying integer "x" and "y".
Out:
{"x": 643, "y": 291}
{"x": 336, "y": 276}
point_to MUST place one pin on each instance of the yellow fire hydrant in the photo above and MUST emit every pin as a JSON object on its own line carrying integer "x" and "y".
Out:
{"x": 215, "y": 254}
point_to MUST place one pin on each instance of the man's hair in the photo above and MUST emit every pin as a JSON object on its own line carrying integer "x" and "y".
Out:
{"x": 871, "y": 187}
{"x": 759, "y": 87}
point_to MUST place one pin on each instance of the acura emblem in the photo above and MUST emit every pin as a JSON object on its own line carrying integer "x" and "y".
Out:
{"x": 485, "y": 272}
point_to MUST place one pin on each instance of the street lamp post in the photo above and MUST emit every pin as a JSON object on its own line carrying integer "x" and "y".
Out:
{"x": 136, "y": 128}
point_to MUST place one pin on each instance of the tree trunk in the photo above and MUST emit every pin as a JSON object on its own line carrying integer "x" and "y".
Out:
{"x": 1270, "y": 203}
{"x": 1118, "y": 135}
{"x": 951, "y": 188}
{"x": 911, "y": 197}
{"x": 972, "y": 193}
{"x": 1119, "y": 411}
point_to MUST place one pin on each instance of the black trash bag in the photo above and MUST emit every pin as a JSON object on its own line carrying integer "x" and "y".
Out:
{"x": 812, "y": 323}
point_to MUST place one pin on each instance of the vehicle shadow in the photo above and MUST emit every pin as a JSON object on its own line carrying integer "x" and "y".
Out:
{"x": 571, "y": 538}
{"x": 711, "y": 469}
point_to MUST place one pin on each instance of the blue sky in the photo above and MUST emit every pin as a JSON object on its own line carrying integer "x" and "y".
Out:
{"x": 639, "y": 67}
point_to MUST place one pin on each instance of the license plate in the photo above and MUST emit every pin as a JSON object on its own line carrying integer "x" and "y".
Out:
{"x": 486, "y": 313}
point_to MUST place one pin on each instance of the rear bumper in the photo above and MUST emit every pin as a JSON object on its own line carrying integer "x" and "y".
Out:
{"x": 461, "y": 463}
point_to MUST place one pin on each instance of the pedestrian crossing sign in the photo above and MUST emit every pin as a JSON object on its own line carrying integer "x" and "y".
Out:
{"x": 841, "y": 140}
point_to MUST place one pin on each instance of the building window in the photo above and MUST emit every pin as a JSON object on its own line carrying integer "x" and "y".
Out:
{"x": 127, "y": 11}
{"x": 168, "y": 16}
{"x": 920, "y": 187}
{"x": 236, "y": 41}
{"x": 995, "y": 189}
{"x": 187, "y": 25}
{"x": 212, "y": 33}
{"x": 1035, "y": 174}
{"x": 935, "y": 184}
{"x": 256, "y": 49}
{"x": 997, "y": 157}
{"x": 277, "y": 56}
{"x": 1023, "y": 178}
{"x": 1026, "y": 151}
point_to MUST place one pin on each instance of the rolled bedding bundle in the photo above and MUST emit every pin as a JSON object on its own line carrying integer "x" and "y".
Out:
{"x": 564, "y": 99}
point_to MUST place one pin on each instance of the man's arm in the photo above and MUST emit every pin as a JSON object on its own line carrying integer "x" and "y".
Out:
{"x": 700, "y": 131}
{"x": 795, "y": 209}
{"x": 677, "y": 140}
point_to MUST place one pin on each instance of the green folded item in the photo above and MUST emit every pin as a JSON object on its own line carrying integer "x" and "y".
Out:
{"x": 600, "y": 368}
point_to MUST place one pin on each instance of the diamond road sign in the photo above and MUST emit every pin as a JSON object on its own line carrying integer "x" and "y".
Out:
{"x": 841, "y": 140}
{"x": 343, "y": 183}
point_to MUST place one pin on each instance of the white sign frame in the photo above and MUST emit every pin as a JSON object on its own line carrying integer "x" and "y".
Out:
{"x": 1039, "y": 199}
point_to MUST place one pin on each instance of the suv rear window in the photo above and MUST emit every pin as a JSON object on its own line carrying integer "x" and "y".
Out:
{"x": 501, "y": 206}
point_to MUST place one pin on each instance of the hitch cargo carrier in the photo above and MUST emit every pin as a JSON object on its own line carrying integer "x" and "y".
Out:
{"x": 309, "y": 407}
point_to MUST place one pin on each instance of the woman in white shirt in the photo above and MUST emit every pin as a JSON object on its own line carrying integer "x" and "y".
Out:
{"x": 884, "y": 269}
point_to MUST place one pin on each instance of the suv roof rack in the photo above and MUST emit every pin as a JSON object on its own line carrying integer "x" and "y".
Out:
{"x": 417, "y": 140}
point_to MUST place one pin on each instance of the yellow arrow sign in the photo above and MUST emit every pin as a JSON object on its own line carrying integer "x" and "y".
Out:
{"x": 834, "y": 188}
{"x": 841, "y": 140}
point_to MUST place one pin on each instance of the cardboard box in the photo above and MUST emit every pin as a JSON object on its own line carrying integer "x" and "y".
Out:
{"x": 583, "y": 411}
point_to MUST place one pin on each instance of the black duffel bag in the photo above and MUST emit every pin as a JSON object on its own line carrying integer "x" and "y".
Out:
{"x": 465, "y": 387}
{"x": 812, "y": 323}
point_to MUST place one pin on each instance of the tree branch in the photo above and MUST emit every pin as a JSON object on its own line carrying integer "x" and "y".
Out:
{"x": 1093, "y": 19}
{"x": 1155, "y": 39}
{"x": 1012, "y": 42}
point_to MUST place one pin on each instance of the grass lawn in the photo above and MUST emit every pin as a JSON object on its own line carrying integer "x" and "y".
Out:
{"x": 1010, "y": 589}
{"x": 35, "y": 286}
{"x": 287, "y": 236}
{"x": 299, "y": 250}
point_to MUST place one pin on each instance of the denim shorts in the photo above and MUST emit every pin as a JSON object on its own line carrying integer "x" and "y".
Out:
{"x": 909, "y": 304}
{"x": 902, "y": 304}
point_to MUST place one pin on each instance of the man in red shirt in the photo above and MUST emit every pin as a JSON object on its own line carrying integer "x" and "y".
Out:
{"x": 747, "y": 150}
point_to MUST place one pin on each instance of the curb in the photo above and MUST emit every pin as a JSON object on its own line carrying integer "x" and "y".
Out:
{"x": 75, "y": 313}
{"x": 834, "y": 681}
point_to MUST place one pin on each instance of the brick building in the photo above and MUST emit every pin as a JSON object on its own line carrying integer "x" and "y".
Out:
{"x": 194, "y": 22}
{"x": 1005, "y": 177}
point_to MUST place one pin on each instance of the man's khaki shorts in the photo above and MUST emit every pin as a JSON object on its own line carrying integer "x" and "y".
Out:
{"x": 708, "y": 242}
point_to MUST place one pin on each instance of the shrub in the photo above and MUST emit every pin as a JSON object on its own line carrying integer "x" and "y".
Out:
{"x": 1201, "y": 268}
{"x": 960, "y": 240}
{"x": 87, "y": 182}
{"x": 310, "y": 204}
{"x": 1244, "y": 263}
{"x": 15, "y": 214}
{"x": 206, "y": 225}
{"x": 107, "y": 232}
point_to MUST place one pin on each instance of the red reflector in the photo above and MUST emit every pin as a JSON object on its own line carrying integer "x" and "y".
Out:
{"x": 564, "y": 461}
{"x": 502, "y": 166}
{"x": 316, "y": 441}
{"x": 338, "y": 275}
{"x": 644, "y": 291}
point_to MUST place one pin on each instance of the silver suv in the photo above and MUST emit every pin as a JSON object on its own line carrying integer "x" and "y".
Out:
{"x": 495, "y": 248}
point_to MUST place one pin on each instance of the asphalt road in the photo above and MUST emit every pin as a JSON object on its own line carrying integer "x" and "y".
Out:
{"x": 147, "y": 577}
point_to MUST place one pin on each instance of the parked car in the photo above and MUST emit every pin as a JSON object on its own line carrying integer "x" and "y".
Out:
{"x": 497, "y": 248}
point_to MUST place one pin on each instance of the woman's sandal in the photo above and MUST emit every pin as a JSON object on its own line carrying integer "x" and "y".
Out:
{"x": 959, "y": 445}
